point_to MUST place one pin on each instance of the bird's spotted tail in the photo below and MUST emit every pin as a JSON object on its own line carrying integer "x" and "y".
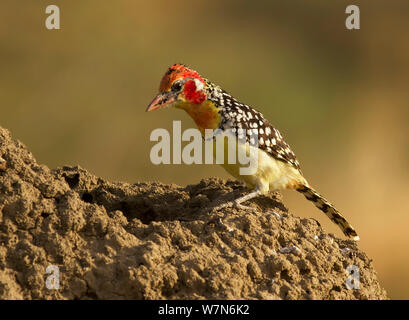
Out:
{"x": 332, "y": 213}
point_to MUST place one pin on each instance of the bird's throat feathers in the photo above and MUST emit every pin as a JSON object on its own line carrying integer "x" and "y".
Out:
{"x": 206, "y": 115}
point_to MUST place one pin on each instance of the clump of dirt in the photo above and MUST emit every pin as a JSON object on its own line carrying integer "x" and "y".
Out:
{"x": 155, "y": 241}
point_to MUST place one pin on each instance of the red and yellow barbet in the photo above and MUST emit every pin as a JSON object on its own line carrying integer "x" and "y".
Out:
{"x": 213, "y": 108}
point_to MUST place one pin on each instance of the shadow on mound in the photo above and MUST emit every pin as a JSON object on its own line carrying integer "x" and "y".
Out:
{"x": 158, "y": 202}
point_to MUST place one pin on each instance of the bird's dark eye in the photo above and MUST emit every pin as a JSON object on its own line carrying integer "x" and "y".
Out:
{"x": 176, "y": 86}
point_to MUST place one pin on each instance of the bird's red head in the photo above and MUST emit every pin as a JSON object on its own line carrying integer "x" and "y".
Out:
{"x": 179, "y": 85}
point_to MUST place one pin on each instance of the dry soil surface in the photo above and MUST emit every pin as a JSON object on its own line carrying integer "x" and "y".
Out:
{"x": 156, "y": 241}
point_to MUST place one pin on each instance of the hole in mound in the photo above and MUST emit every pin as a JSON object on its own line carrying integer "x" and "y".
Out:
{"x": 132, "y": 210}
{"x": 87, "y": 197}
{"x": 336, "y": 288}
{"x": 45, "y": 214}
{"x": 73, "y": 180}
{"x": 146, "y": 207}
{"x": 304, "y": 272}
{"x": 284, "y": 275}
{"x": 148, "y": 216}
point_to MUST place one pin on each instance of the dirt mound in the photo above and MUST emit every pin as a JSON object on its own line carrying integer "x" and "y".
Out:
{"x": 153, "y": 241}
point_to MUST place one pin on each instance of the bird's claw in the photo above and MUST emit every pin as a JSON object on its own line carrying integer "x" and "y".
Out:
{"x": 242, "y": 207}
{"x": 230, "y": 204}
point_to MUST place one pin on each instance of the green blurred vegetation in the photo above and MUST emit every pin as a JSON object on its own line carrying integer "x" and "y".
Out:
{"x": 78, "y": 95}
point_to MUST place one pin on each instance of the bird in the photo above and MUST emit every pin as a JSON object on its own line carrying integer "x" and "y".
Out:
{"x": 211, "y": 107}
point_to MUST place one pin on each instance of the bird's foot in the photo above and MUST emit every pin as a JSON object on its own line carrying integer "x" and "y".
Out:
{"x": 230, "y": 204}
{"x": 245, "y": 208}
{"x": 237, "y": 203}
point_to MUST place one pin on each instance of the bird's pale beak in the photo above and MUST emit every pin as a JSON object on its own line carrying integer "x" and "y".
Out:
{"x": 162, "y": 100}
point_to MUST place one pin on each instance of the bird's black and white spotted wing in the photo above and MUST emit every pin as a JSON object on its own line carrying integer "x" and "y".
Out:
{"x": 249, "y": 125}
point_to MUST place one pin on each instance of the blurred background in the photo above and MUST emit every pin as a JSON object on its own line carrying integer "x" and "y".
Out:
{"x": 78, "y": 95}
